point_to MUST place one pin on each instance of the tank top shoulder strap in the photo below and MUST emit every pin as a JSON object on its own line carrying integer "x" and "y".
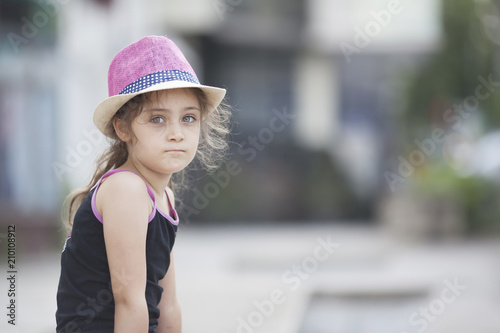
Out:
{"x": 173, "y": 217}
{"x": 106, "y": 175}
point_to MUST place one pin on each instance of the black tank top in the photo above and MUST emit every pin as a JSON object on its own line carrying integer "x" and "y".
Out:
{"x": 84, "y": 297}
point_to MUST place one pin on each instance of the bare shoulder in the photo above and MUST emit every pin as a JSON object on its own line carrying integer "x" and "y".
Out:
{"x": 171, "y": 195}
{"x": 124, "y": 183}
{"x": 125, "y": 189}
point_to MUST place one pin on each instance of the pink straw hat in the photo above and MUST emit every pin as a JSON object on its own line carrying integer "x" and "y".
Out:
{"x": 150, "y": 64}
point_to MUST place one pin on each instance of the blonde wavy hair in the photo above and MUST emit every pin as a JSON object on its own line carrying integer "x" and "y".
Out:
{"x": 212, "y": 148}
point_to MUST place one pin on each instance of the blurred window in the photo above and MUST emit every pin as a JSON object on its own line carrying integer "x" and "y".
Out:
{"x": 11, "y": 11}
{"x": 262, "y": 84}
{"x": 28, "y": 23}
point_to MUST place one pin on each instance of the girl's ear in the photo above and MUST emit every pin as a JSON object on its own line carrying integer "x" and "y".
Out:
{"x": 121, "y": 129}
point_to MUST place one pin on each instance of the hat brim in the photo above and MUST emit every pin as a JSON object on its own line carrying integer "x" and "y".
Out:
{"x": 108, "y": 107}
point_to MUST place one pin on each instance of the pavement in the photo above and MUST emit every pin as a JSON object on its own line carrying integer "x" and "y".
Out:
{"x": 304, "y": 278}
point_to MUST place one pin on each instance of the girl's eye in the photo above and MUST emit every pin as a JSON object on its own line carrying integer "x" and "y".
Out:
{"x": 157, "y": 120}
{"x": 189, "y": 119}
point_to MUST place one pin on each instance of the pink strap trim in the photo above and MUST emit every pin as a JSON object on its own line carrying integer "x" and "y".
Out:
{"x": 107, "y": 174}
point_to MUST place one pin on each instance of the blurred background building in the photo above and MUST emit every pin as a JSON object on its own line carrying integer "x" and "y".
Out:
{"x": 336, "y": 107}
{"x": 299, "y": 58}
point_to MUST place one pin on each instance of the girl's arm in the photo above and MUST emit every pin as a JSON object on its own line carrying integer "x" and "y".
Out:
{"x": 125, "y": 206}
{"x": 170, "y": 311}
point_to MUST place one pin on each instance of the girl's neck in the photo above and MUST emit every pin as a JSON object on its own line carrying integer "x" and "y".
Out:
{"x": 158, "y": 182}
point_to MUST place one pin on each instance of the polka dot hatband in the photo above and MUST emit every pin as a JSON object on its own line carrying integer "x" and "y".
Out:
{"x": 158, "y": 77}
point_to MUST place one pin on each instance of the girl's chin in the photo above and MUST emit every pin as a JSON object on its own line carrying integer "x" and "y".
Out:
{"x": 168, "y": 167}
{"x": 171, "y": 169}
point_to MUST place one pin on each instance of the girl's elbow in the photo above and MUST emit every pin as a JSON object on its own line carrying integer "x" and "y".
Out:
{"x": 130, "y": 300}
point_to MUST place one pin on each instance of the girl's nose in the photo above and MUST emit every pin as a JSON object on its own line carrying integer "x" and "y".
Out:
{"x": 174, "y": 132}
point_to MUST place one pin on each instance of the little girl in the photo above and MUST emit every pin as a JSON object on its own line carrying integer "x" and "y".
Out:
{"x": 117, "y": 266}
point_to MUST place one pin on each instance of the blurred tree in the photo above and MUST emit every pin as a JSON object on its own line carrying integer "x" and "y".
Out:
{"x": 466, "y": 53}
{"x": 448, "y": 81}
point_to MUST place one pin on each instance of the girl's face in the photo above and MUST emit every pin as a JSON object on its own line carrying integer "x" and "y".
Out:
{"x": 167, "y": 131}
